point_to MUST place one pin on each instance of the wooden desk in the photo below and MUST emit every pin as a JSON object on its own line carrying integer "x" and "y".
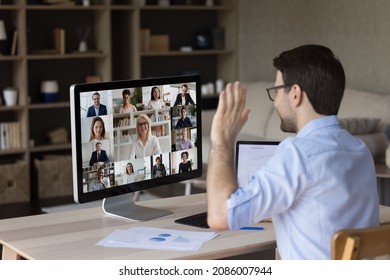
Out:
{"x": 73, "y": 234}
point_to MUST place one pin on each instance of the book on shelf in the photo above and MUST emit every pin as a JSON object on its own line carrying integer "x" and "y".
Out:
{"x": 145, "y": 40}
{"x": 59, "y": 40}
{"x": 93, "y": 79}
{"x": 10, "y": 135}
{"x": 14, "y": 42}
{"x": 122, "y": 122}
{"x": 59, "y": 2}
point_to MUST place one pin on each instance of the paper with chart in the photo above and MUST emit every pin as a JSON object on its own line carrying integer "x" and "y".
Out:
{"x": 157, "y": 238}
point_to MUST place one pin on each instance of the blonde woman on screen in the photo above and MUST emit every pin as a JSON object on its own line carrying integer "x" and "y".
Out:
{"x": 146, "y": 144}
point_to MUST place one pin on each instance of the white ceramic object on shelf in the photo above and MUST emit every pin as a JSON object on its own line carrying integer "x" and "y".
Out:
{"x": 83, "y": 46}
{"x": 10, "y": 96}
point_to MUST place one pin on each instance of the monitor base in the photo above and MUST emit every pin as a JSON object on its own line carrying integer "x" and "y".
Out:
{"x": 123, "y": 206}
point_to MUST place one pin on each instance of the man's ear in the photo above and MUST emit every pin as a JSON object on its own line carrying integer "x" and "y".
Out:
{"x": 296, "y": 95}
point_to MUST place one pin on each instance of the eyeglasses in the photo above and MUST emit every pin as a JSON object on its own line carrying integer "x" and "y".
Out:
{"x": 142, "y": 124}
{"x": 272, "y": 91}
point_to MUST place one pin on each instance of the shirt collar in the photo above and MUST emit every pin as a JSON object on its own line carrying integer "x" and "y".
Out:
{"x": 319, "y": 124}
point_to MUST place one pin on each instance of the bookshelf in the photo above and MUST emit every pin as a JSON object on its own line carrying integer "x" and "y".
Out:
{"x": 114, "y": 52}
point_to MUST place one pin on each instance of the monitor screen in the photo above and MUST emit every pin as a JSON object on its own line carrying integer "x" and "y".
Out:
{"x": 132, "y": 135}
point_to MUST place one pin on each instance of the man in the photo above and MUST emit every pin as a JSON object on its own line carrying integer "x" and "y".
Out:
{"x": 183, "y": 98}
{"x": 100, "y": 182}
{"x": 98, "y": 157}
{"x": 184, "y": 121}
{"x": 317, "y": 182}
{"x": 96, "y": 109}
{"x": 158, "y": 170}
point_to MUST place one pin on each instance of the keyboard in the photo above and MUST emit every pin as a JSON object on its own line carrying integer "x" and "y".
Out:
{"x": 197, "y": 220}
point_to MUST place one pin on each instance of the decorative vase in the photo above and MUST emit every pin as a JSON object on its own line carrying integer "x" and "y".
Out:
{"x": 83, "y": 46}
{"x": 10, "y": 95}
{"x": 49, "y": 91}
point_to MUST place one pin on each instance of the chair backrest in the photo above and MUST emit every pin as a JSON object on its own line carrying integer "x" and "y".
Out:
{"x": 355, "y": 244}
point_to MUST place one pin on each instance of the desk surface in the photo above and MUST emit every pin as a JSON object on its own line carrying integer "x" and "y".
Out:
{"x": 73, "y": 234}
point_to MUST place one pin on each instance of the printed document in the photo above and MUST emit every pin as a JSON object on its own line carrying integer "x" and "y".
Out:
{"x": 157, "y": 238}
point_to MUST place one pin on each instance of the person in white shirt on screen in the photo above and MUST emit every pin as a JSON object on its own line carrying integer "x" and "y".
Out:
{"x": 155, "y": 99}
{"x": 319, "y": 181}
{"x": 130, "y": 176}
{"x": 127, "y": 107}
{"x": 146, "y": 144}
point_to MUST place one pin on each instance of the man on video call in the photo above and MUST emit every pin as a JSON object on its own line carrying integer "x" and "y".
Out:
{"x": 184, "y": 98}
{"x": 97, "y": 109}
{"x": 98, "y": 157}
{"x": 319, "y": 181}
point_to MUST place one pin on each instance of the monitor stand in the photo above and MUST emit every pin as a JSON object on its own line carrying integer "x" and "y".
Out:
{"x": 124, "y": 207}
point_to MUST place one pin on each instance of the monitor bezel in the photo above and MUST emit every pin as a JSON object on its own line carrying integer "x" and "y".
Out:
{"x": 77, "y": 89}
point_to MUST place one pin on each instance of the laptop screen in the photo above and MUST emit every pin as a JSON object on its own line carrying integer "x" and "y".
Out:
{"x": 250, "y": 157}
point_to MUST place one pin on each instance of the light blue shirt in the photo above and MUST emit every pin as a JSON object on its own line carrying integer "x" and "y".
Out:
{"x": 317, "y": 182}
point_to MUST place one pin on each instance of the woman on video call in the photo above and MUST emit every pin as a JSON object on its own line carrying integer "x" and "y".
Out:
{"x": 146, "y": 144}
{"x": 130, "y": 176}
{"x": 127, "y": 107}
{"x": 97, "y": 130}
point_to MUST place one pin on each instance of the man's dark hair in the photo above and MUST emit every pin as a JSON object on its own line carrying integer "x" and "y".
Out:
{"x": 318, "y": 72}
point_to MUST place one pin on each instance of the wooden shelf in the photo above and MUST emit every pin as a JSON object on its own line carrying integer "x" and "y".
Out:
{"x": 51, "y": 147}
{"x": 190, "y": 53}
{"x": 65, "y": 8}
{"x": 115, "y": 34}
{"x": 185, "y": 8}
{"x": 40, "y": 106}
{"x": 75, "y": 55}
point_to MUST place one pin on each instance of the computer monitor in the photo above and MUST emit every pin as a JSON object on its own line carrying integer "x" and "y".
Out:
{"x": 132, "y": 135}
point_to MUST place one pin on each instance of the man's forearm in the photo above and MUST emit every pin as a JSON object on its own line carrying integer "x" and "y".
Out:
{"x": 221, "y": 182}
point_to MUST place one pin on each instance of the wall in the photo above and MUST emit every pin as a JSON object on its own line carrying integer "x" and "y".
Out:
{"x": 356, "y": 30}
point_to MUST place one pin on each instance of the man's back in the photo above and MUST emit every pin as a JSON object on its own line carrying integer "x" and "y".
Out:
{"x": 335, "y": 188}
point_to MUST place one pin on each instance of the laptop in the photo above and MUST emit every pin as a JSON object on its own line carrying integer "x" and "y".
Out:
{"x": 250, "y": 156}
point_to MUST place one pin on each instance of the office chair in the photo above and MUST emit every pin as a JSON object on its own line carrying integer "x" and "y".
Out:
{"x": 355, "y": 244}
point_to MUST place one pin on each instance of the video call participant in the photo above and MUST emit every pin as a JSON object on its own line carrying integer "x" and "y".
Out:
{"x": 185, "y": 165}
{"x": 184, "y": 143}
{"x": 97, "y": 109}
{"x": 317, "y": 182}
{"x": 98, "y": 157}
{"x": 126, "y": 107}
{"x": 130, "y": 175}
{"x": 146, "y": 144}
{"x": 155, "y": 99}
{"x": 100, "y": 182}
{"x": 184, "y": 121}
{"x": 97, "y": 130}
{"x": 183, "y": 98}
{"x": 158, "y": 170}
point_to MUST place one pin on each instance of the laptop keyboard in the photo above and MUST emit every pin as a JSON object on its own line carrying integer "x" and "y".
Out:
{"x": 197, "y": 220}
